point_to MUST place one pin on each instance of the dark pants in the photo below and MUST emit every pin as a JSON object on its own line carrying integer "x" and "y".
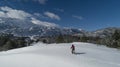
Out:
{"x": 73, "y": 51}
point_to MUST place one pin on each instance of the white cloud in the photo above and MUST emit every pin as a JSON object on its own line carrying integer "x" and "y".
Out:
{"x": 52, "y": 15}
{"x": 8, "y": 12}
{"x": 38, "y": 15}
{"x": 2, "y": 14}
{"x": 78, "y": 17}
{"x": 41, "y": 1}
{"x": 43, "y": 23}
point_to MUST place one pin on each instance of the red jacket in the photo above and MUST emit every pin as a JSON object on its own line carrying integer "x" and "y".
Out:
{"x": 73, "y": 47}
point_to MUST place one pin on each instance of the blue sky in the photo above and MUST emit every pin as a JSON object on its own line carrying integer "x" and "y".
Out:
{"x": 85, "y": 14}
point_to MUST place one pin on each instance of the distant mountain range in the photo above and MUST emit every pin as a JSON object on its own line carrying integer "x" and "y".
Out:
{"x": 29, "y": 28}
{"x": 105, "y": 31}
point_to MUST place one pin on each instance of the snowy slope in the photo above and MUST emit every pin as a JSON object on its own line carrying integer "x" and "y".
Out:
{"x": 59, "y": 55}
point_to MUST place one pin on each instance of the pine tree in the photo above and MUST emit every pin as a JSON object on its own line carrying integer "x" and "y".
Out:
{"x": 9, "y": 45}
{"x": 116, "y": 35}
{"x": 60, "y": 39}
{"x": 116, "y": 39}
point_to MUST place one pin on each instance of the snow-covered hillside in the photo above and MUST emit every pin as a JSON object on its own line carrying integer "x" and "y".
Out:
{"x": 59, "y": 55}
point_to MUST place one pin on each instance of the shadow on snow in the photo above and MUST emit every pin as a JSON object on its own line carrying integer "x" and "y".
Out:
{"x": 79, "y": 53}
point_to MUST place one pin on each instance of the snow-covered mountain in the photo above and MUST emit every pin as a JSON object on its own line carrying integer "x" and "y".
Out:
{"x": 29, "y": 28}
{"x": 33, "y": 27}
{"x": 99, "y": 33}
{"x": 104, "y": 32}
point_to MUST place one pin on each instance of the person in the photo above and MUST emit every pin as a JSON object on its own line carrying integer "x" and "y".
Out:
{"x": 72, "y": 49}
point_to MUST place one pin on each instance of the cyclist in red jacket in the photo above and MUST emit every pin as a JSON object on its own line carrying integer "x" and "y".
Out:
{"x": 73, "y": 49}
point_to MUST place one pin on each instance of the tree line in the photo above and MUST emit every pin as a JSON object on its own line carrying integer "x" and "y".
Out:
{"x": 8, "y": 41}
{"x": 109, "y": 41}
